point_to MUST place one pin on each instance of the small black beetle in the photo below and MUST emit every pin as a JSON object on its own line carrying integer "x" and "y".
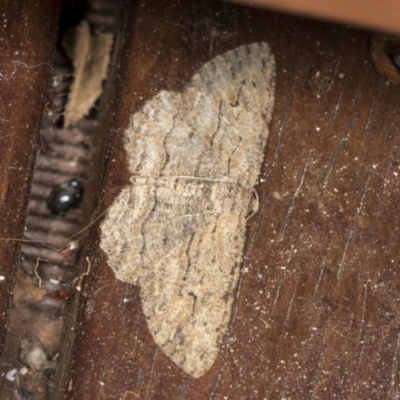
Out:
{"x": 65, "y": 196}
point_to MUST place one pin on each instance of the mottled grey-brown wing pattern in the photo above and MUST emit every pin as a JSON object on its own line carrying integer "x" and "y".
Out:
{"x": 179, "y": 229}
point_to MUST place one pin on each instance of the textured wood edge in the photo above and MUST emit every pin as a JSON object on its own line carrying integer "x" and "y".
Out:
{"x": 29, "y": 32}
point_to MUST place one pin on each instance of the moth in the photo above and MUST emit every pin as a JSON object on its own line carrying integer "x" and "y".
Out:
{"x": 178, "y": 230}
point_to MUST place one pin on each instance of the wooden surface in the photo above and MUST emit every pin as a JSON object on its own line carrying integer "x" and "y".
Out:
{"x": 317, "y": 310}
{"x": 383, "y": 14}
{"x": 28, "y": 33}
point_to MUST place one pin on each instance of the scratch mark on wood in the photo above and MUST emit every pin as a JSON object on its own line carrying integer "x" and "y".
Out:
{"x": 316, "y": 380}
{"x": 284, "y": 120}
{"x": 371, "y": 109}
{"x": 334, "y": 72}
{"x": 353, "y": 227}
{"x": 215, "y": 386}
{"x": 277, "y": 149}
{"x": 128, "y": 392}
{"x": 319, "y": 281}
{"x": 336, "y": 154}
{"x": 153, "y": 363}
{"x": 292, "y": 203}
{"x": 339, "y": 100}
{"x": 360, "y": 358}
{"x": 289, "y": 310}
{"x": 393, "y": 393}
{"x": 280, "y": 283}
{"x": 363, "y": 310}
{"x": 267, "y": 325}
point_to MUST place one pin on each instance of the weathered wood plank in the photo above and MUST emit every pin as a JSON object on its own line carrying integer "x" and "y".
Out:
{"x": 317, "y": 311}
{"x": 28, "y": 32}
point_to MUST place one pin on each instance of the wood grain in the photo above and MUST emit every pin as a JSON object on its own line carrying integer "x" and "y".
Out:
{"x": 317, "y": 315}
{"x": 28, "y": 33}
